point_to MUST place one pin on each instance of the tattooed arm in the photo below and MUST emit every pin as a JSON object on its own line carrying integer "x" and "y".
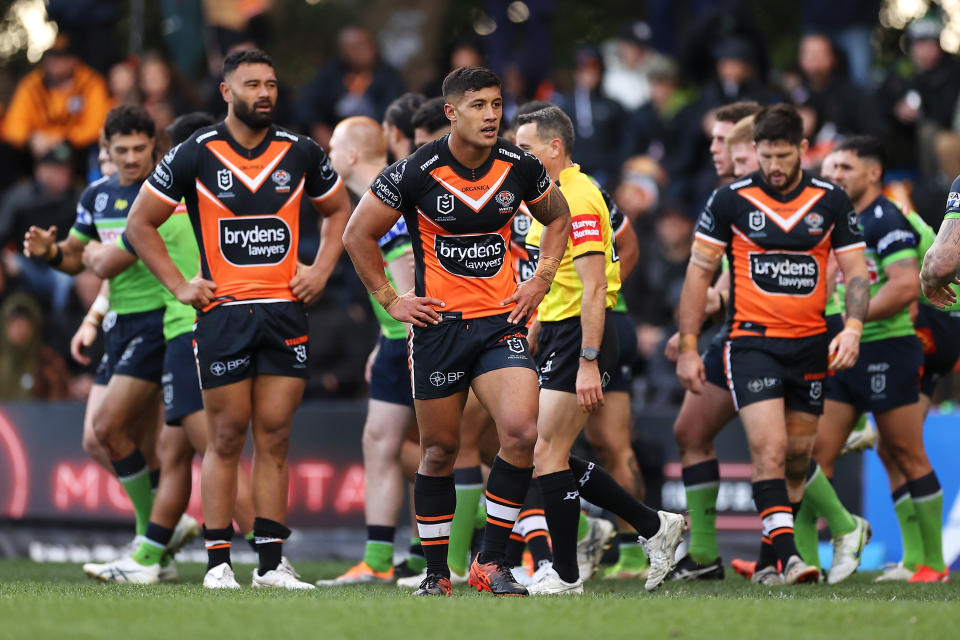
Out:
{"x": 940, "y": 265}
{"x": 553, "y": 213}
{"x": 845, "y": 347}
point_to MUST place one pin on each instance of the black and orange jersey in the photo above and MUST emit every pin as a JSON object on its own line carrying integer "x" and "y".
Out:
{"x": 244, "y": 205}
{"x": 460, "y": 221}
{"x": 777, "y": 245}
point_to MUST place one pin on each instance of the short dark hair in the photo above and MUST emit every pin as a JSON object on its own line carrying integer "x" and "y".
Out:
{"x": 778, "y": 122}
{"x": 551, "y": 123}
{"x": 244, "y": 56}
{"x": 401, "y": 111}
{"x": 127, "y": 119}
{"x": 530, "y": 107}
{"x": 430, "y": 115}
{"x": 736, "y": 111}
{"x": 464, "y": 79}
{"x": 184, "y": 126}
{"x": 864, "y": 147}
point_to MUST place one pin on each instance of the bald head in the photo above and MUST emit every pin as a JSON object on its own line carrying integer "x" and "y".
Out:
{"x": 357, "y": 142}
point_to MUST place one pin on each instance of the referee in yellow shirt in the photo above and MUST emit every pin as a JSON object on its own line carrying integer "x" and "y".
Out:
{"x": 576, "y": 353}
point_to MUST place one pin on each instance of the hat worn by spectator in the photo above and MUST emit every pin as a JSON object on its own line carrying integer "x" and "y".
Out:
{"x": 59, "y": 154}
{"x": 924, "y": 29}
{"x": 734, "y": 49}
{"x": 637, "y": 33}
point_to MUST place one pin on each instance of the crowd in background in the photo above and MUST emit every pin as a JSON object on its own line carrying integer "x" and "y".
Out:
{"x": 640, "y": 102}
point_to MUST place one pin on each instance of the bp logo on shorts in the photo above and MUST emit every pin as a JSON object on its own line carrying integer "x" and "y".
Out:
{"x": 439, "y": 378}
{"x": 755, "y": 385}
{"x": 254, "y": 241}
{"x": 471, "y": 256}
{"x": 786, "y": 274}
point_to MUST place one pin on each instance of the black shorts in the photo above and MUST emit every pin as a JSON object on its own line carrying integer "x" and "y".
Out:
{"x": 790, "y": 368}
{"x": 181, "y": 381}
{"x": 886, "y": 376}
{"x": 133, "y": 346}
{"x": 626, "y": 330}
{"x": 713, "y": 358}
{"x": 239, "y": 341}
{"x": 939, "y": 333}
{"x": 446, "y": 357}
{"x": 390, "y": 374}
{"x": 558, "y": 353}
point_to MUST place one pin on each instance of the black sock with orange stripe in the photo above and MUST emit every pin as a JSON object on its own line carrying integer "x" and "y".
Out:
{"x": 772, "y": 502}
{"x": 269, "y": 536}
{"x": 532, "y": 525}
{"x": 561, "y": 501}
{"x": 506, "y": 488}
{"x": 435, "y": 500}
{"x": 217, "y": 542}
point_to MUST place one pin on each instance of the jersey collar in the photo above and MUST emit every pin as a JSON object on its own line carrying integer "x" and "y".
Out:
{"x": 466, "y": 172}
{"x": 240, "y": 149}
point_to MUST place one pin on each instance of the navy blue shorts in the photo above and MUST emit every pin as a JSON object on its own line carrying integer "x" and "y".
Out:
{"x": 133, "y": 345}
{"x": 446, "y": 357}
{"x": 794, "y": 369}
{"x": 713, "y": 358}
{"x": 622, "y": 374}
{"x": 390, "y": 374}
{"x": 939, "y": 333}
{"x": 558, "y": 353}
{"x": 886, "y": 376}
{"x": 181, "y": 382}
{"x": 241, "y": 340}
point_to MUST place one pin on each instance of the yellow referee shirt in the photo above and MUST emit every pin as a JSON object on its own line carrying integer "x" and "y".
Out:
{"x": 590, "y": 233}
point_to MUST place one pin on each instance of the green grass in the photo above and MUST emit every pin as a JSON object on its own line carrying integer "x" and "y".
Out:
{"x": 58, "y": 601}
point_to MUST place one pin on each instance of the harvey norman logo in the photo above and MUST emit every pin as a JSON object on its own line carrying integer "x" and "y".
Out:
{"x": 253, "y": 241}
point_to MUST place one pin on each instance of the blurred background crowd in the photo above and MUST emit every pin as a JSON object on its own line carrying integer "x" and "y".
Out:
{"x": 639, "y": 80}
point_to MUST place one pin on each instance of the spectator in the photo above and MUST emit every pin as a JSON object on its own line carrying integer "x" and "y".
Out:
{"x": 642, "y": 180}
{"x": 598, "y": 121}
{"x": 356, "y": 83}
{"x": 466, "y": 52}
{"x": 398, "y": 125}
{"x": 625, "y": 79}
{"x": 91, "y": 27}
{"x": 29, "y": 369}
{"x": 47, "y": 200}
{"x": 430, "y": 122}
{"x": 161, "y": 96}
{"x": 849, "y": 23}
{"x": 839, "y": 104}
{"x": 61, "y": 100}
{"x": 122, "y": 83}
{"x": 736, "y": 76}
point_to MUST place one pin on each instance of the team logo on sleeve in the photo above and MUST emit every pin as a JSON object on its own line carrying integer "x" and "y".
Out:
{"x": 471, "y": 256}
{"x": 254, "y": 241}
{"x": 100, "y": 202}
{"x": 788, "y": 274}
{"x": 852, "y": 222}
{"x": 706, "y": 220}
{"x": 397, "y": 174}
{"x": 953, "y": 200}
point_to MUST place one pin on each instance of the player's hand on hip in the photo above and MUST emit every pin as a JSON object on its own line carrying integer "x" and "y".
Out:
{"x": 85, "y": 336}
{"x": 307, "y": 284}
{"x": 37, "y": 242}
{"x": 197, "y": 293}
{"x": 844, "y": 350}
{"x": 589, "y": 386}
{"x": 527, "y": 298}
{"x": 417, "y": 311}
{"x": 691, "y": 372}
{"x": 672, "y": 349}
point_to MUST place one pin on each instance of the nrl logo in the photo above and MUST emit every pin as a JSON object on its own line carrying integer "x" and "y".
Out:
{"x": 224, "y": 179}
{"x": 757, "y": 220}
{"x": 445, "y": 204}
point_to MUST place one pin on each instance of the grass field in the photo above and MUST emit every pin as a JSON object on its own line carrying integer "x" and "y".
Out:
{"x": 58, "y": 601}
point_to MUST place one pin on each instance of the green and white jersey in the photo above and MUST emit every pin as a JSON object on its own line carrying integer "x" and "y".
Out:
{"x": 890, "y": 237}
{"x": 393, "y": 244}
{"x": 102, "y": 216}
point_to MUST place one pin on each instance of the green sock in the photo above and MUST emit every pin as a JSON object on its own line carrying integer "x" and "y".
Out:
{"x": 805, "y": 534}
{"x": 416, "y": 561}
{"x": 631, "y": 553}
{"x": 469, "y": 486}
{"x": 701, "y": 483}
{"x": 135, "y": 478}
{"x": 822, "y": 497}
{"x": 481, "y": 520}
{"x": 379, "y": 555}
{"x": 149, "y": 553}
{"x": 583, "y": 527}
{"x": 909, "y": 528}
{"x": 861, "y": 423}
{"x": 928, "y": 502}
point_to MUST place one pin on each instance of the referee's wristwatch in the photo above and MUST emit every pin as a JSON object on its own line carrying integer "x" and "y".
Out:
{"x": 589, "y": 353}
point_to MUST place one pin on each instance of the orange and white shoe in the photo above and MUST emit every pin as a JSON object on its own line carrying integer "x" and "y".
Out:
{"x": 745, "y": 568}
{"x": 925, "y": 574}
{"x": 360, "y": 573}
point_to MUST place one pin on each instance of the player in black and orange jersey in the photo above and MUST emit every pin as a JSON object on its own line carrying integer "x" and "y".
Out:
{"x": 458, "y": 195}
{"x": 777, "y": 227}
{"x": 243, "y": 180}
